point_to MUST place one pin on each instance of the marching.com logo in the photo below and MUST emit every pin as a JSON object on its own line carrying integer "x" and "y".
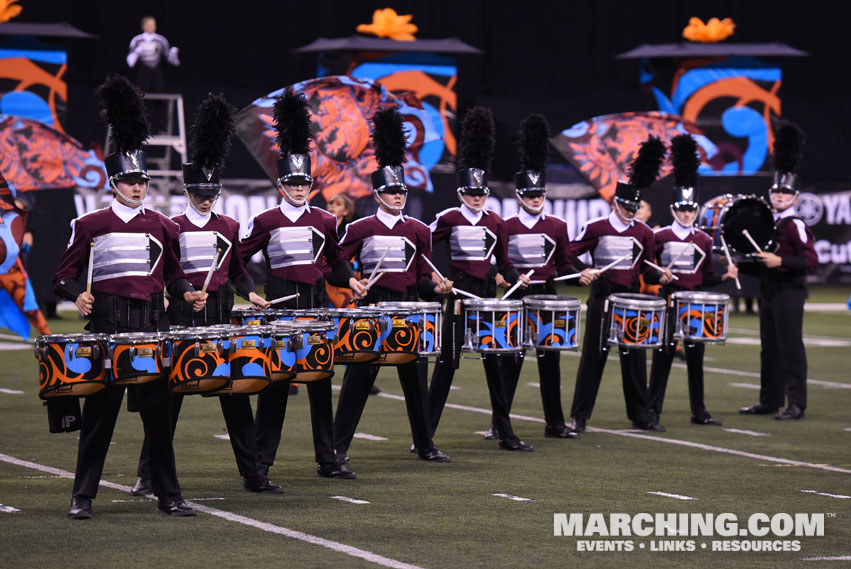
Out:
{"x": 759, "y": 532}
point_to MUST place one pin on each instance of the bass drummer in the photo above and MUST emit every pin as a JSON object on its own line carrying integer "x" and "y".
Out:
{"x": 685, "y": 252}
{"x": 622, "y": 243}
{"x": 206, "y": 238}
{"x": 538, "y": 241}
{"x": 126, "y": 296}
{"x": 299, "y": 245}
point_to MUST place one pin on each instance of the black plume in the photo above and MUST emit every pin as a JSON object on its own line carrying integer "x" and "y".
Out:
{"x": 788, "y": 147}
{"x": 292, "y": 119}
{"x": 211, "y": 132}
{"x": 645, "y": 168}
{"x": 534, "y": 143}
{"x": 685, "y": 159}
{"x": 389, "y": 137}
{"x": 123, "y": 108}
{"x": 477, "y": 139}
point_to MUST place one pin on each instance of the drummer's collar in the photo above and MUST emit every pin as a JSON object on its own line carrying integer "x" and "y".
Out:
{"x": 788, "y": 212}
{"x": 388, "y": 219}
{"x": 293, "y": 212}
{"x": 125, "y": 212}
{"x": 197, "y": 219}
{"x": 681, "y": 230}
{"x": 619, "y": 225}
{"x": 472, "y": 216}
{"x": 529, "y": 220}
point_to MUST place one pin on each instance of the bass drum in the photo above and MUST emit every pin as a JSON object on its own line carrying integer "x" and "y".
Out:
{"x": 728, "y": 215}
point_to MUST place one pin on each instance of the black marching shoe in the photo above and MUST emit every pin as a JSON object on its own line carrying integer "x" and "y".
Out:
{"x": 648, "y": 426}
{"x": 705, "y": 419}
{"x": 654, "y": 422}
{"x": 264, "y": 470}
{"x": 335, "y": 470}
{"x": 491, "y": 434}
{"x": 142, "y": 487}
{"x": 175, "y": 507}
{"x": 81, "y": 508}
{"x": 264, "y": 486}
{"x": 515, "y": 445}
{"x": 792, "y": 413}
{"x": 342, "y": 457}
{"x": 578, "y": 425}
{"x": 433, "y": 454}
{"x": 560, "y": 432}
{"x": 758, "y": 409}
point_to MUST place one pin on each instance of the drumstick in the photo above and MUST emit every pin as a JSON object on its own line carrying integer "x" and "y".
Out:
{"x": 612, "y": 264}
{"x": 442, "y": 278}
{"x": 662, "y": 269}
{"x": 91, "y": 266}
{"x": 283, "y": 298}
{"x": 372, "y": 280}
{"x": 561, "y": 278}
{"x": 517, "y": 285}
{"x": 729, "y": 259}
{"x": 677, "y": 258}
{"x": 380, "y": 262}
{"x": 748, "y": 235}
{"x": 211, "y": 271}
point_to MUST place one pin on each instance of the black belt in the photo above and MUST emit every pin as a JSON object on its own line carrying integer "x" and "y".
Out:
{"x": 310, "y": 295}
{"x": 133, "y": 313}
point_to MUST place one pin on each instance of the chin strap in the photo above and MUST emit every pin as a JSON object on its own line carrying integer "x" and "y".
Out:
{"x": 674, "y": 215}
{"x": 387, "y": 205}
{"x": 125, "y": 198}
{"x": 620, "y": 214}
{"x": 468, "y": 206}
{"x": 192, "y": 204}
{"x": 525, "y": 206}
{"x": 289, "y": 198}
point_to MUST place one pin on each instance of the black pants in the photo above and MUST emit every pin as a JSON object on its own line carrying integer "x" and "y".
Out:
{"x": 661, "y": 368}
{"x": 549, "y": 378}
{"x": 272, "y": 402}
{"x": 454, "y": 326}
{"x": 595, "y": 351}
{"x": 783, "y": 359}
{"x": 100, "y": 413}
{"x": 236, "y": 409}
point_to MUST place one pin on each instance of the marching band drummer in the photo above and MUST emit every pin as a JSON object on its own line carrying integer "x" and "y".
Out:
{"x": 126, "y": 296}
{"x": 401, "y": 242}
{"x": 206, "y": 238}
{"x": 538, "y": 241}
{"x": 618, "y": 237}
{"x": 783, "y": 289}
{"x": 281, "y": 233}
{"x": 474, "y": 235}
{"x": 688, "y": 251}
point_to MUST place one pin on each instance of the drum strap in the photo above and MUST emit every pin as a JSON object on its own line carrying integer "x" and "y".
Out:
{"x": 132, "y": 313}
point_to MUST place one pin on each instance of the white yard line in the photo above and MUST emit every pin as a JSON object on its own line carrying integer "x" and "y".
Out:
{"x": 8, "y": 509}
{"x": 740, "y": 373}
{"x": 349, "y": 500}
{"x": 747, "y": 432}
{"x": 11, "y": 391}
{"x": 829, "y": 495}
{"x": 677, "y": 496}
{"x": 744, "y": 385}
{"x": 369, "y": 437}
{"x": 243, "y": 520}
{"x": 223, "y": 437}
{"x": 825, "y": 558}
{"x": 512, "y": 497}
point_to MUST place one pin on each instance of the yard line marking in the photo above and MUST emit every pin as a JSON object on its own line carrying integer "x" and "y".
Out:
{"x": 677, "y": 496}
{"x": 223, "y": 437}
{"x": 336, "y": 387}
{"x": 11, "y": 391}
{"x": 454, "y": 388}
{"x": 848, "y": 429}
{"x": 8, "y": 509}
{"x": 349, "y": 500}
{"x": 244, "y": 520}
{"x": 483, "y": 433}
{"x": 130, "y": 501}
{"x": 369, "y": 437}
{"x": 829, "y": 495}
{"x": 9, "y": 347}
{"x": 747, "y": 432}
{"x": 10, "y": 337}
{"x": 824, "y": 558}
{"x": 724, "y": 371}
{"x": 744, "y": 385}
{"x": 533, "y": 384}
{"x": 512, "y": 497}
{"x": 812, "y": 342}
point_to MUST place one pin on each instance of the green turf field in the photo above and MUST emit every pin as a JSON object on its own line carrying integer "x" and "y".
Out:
{"x": 461, "y": 514}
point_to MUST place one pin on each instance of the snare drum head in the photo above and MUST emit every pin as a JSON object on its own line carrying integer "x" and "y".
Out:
{"x": 492, "y": 305}
{"x": 135, "y": 338}
{"x": 551, "y": 302}
{"x": 700, "y": 297}
{"x": 637, "y": 301}
{"x": 749, "y": 213}
{"x": 412, "y": 306}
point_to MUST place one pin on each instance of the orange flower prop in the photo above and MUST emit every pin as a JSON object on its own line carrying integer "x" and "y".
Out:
{"x": 714, "y": 30}
{"x": 7, "y": 11}
{"x": 387, "y": 23}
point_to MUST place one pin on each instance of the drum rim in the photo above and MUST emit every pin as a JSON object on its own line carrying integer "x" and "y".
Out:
{"x": 143, "y": 336}
{"x": 418, "y": 306}
{"x": 198, "y": 333}
{"x": 629, "y": 300}
{"x": 259, "y": 330}
{"x": 492, "y": 302}
{"x": 349, "y": 313}
{"x": 92, "y": 336}
{"x": 311, "y": 325}
{"x": 701, "y": 296}
{"x": 551, "y": 301}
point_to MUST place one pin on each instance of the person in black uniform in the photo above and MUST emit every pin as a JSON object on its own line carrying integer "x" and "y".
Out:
{"x": 205, "y": 235}
{"x": 783, "y": 289}
{"x": 126, "y": 297}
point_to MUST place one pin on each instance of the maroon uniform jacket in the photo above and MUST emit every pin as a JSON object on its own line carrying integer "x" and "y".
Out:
{"x": 471, "y": 246}
{"x": 545, "y": 247}
{"x": 298, "y": 251}
{"x": 369, "y": 240}
{"x": 198, "y": 247}
{"x": 606, "y": 244}
{"x": 134, "y": 259}
{"x": 694, "y": 266}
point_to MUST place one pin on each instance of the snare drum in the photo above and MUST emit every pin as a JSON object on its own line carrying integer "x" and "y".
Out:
{"x": 282, "y": 354}
{"x": 136, "y": 357}
{"x": 729, "y": 215}
{"x": 428, "y": 317}
{"x": 249, "y": 359}
{"x": 250, "y": 316}
{"x": 493, "y": 326}
{"x": 303, "y": 314}
{"x": 700, "y": 316}
{"x": 314, "y": 350}
{"x": 199, "y": 360}
{"x": 399, "y": 336}
{"x": 635, "y": 320}
{"x": 552, "y": 322}
{"x": 355, "y": 335}
{"x": 70, "y": 365}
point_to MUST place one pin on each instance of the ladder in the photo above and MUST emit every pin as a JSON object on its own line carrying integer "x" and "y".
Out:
{"x": 161, "y": 165}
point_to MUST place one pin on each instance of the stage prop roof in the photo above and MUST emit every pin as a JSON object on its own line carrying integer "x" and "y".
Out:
{"x": 687, "y": 49}
{"x": 361, "y": 43}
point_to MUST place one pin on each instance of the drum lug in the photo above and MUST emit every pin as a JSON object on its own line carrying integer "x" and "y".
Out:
{"x": 132, "y": 352}
{"x": 298, "y": 342}
{"x": 197, "y": 349}
{"x": 468, "y": 340}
